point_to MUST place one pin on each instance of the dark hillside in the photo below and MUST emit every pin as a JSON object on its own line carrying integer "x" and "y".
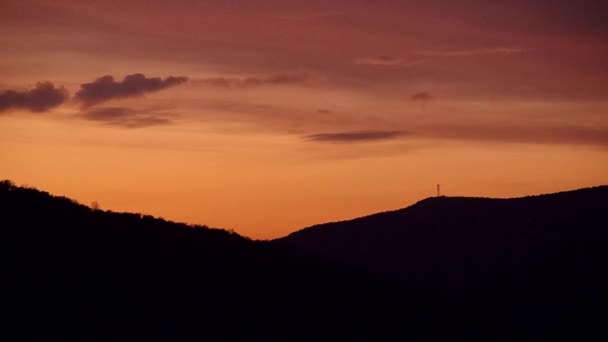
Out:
{"x": 79, "y": 273}
{"x": 532, "y": 262}
{"x": 445, "y": 268}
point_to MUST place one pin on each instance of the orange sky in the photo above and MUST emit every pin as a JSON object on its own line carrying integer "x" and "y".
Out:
{"x": 296, "y": 113}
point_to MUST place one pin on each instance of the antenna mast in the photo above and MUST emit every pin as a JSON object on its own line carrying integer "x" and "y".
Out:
{"x": 438, "y": 190}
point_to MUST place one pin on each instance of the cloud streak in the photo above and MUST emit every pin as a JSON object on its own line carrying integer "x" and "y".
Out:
{"x": 545, "y": 135}
{"x": 247, "y": 82}
{"x": 43, "y": 97}
{"x": 384, "y": 61}
{"x": 126, "y": 117}
{"x": 355, "y": 136}
{"x": 106, "y": 88}
{"x": 548, "y": 134}
{"x": 471, "y": 52}
{"x": 421, "y": 96}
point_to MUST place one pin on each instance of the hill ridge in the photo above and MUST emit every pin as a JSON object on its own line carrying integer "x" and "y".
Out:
{"x": 442, "y": 199}
{"x": 529, "y": 270}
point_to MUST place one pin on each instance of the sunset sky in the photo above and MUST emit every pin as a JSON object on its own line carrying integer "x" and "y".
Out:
{"x": 269, "y": 116}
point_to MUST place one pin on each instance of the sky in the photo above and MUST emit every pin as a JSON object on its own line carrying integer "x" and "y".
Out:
{"x": 269, "y": 116}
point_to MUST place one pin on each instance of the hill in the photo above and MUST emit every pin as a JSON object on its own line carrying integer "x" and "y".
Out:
{"x": 83, "y": 274}
{"x": 445, "y": 268}
{"x": 535, "y": 263}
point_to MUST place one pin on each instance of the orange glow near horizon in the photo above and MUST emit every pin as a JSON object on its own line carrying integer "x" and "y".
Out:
{"x": 293, "y": 116}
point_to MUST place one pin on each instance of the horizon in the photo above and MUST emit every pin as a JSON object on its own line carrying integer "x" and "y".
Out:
{"x": 266, "y": 117}
{"x": 97, "y": 206}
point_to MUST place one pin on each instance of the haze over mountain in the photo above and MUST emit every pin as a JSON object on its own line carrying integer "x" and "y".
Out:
{"x": 445, "y": 268}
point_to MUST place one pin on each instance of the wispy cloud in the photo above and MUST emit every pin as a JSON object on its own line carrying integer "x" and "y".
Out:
{"x": 384, "y": 61}
{"x": 355, "y": 136}
{"x": 552, "y": 134}
{"x": 471, "y": 52}
{"x": 126, "y": 117}
{"x": 106, "y": 88}
{"x": 246, "y": 82}
{"x": 421, "y": 96}
{"x": 43, "y": 97}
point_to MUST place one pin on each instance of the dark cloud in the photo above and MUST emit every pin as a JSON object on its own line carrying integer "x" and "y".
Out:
{"x": 358, "y": 136}
{"x": 126, "y": 117}
{"x": 41, "y": 98}
{"x": 106, "y": 88}
{"x": 278, "y": 79}
{"x": 421, "y": 96}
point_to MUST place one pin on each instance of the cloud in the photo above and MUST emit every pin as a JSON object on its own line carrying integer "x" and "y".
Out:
{"x": 384, "y": 61}
{"x": 41, "y": 98}
{"x": 356, "y": 136}
{"x": 471, "y": 52}
{"x": 421, "y": 96}
{"x": 126, "y": 117}
{"x": 106, "y": 88}
{"x": 550, "y": 134}
{"x": 246, "y": 82}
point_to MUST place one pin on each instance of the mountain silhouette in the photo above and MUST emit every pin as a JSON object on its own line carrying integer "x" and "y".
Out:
{"x": 533, "y": 263}
{"x": 445, "y": 268}
{"x": 77, "y": 273}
